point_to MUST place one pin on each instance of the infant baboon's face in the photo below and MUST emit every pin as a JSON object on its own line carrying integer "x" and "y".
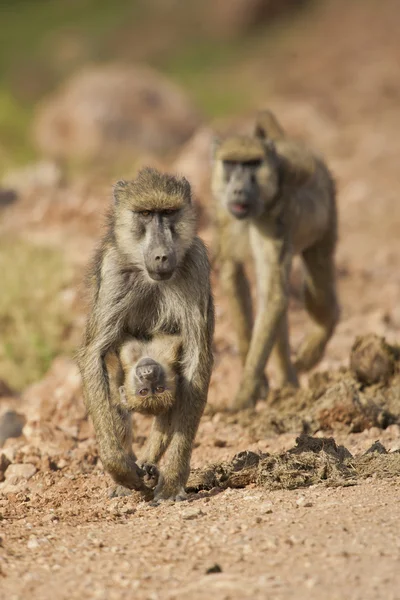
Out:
{"x": 149, "y": 378}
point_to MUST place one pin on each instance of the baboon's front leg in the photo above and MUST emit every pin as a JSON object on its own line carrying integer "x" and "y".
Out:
{"x": 272, "y": 269}
{"x": 237, "y": 290}
{"x": 281, "y": 352}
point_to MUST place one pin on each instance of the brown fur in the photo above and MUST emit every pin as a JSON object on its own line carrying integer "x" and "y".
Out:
{"x": 165, "y": 350}
{"x": 128, "y": 302}
{"x": 287, "y": 206}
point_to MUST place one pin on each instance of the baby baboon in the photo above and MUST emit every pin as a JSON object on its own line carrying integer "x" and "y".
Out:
{"x": 150, "y": 279}
{"x": 276, "y": 194}
{"x": 150, "y": 374}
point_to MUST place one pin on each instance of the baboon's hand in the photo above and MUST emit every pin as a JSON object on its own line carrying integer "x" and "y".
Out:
{"x": 124, "y": 470}
{"x": 150, "y": 474}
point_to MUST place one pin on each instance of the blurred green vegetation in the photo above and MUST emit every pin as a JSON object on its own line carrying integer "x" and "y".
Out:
{"x": 44, "y": 41}
{"x": 33, "y": 322}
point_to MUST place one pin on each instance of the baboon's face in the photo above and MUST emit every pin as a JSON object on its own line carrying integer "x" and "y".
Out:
{"x": 149, "y": 378}
{"x": 156, "y": 232}
{"x": 247, "y": 186}
{"x": 154, "y": 222}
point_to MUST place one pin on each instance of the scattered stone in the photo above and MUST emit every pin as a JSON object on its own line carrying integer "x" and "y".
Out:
{"x": 377, "y": 447}
{"x": 33, "y": 543}
{"x": 266, "y": 508}
{"x": 372, "y": 359}
{"x": 303, "y": 502}
{"x": 214, "y": 569}
{"x": 220, "y": 443}
{"x": 16, "y": 472}
{"x": 191, "y": 513}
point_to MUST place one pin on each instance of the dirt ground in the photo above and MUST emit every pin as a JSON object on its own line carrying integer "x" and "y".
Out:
{"x": 319, "y": 522}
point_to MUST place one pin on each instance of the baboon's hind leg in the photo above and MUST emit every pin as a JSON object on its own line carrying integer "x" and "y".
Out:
{"x": 320, "y": 301}
{"x": 281, "y": 352}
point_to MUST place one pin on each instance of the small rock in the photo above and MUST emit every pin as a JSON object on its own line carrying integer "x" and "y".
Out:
{"x": 49, "y": 518}
{"x": 16, "y": 472}
{"x": 372, "y": 359}
{"x": 191, "y": 513}
{"x": 10, "y": 453}
{"x": 266, "y": 508}
{"x": 214, "y": 569}
{"x": 377, "y": 447}
{"x": 32, "y": 543}
{"x": 127, "y": 510}
{"x": 220, "y": 443}
{"x": 302, "y": 501}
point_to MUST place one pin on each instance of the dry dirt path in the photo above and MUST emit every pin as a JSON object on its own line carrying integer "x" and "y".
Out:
{"x": 331, "y": 543}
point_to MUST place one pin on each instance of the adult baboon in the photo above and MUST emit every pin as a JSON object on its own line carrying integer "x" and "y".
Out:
{"x": 150, "y": 278}
{"x": 276, "y": 194}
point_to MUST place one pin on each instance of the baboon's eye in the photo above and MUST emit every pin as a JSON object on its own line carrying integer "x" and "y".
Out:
{"x": 170, "y": 211}
{"x": 160, "y": 389}
{"x": 229, "y": 167}
{"x": 253, "y": 164}
{"x": 143, "y": 392}
{"x": 145, "y": 213}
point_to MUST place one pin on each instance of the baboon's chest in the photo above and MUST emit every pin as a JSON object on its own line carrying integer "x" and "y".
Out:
{"x": 154, "y": 314}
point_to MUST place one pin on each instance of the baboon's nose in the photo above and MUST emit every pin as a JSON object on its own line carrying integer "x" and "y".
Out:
{"x": 161, "y": 264}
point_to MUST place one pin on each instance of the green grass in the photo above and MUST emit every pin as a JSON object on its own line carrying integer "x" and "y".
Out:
{"x": 33, "y": 321}
{"x": 43, "y": 41}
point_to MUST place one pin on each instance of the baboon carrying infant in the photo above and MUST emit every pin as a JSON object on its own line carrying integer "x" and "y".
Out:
{"x": 150, "y": 280}
{"x": 143, "y": 379}
{"x": 276, "y": 194}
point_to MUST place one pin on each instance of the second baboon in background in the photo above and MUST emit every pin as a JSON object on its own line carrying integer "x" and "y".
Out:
{"x": 276, "y": 194}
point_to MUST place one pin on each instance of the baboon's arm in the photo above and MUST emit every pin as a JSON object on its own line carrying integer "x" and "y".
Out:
{"x": 237, "y": 290}
{"x": 272, "y": 260}
{"x": 103, "y": 332}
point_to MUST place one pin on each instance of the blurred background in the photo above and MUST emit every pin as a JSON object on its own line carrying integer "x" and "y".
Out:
{"x": 90, "y": 90}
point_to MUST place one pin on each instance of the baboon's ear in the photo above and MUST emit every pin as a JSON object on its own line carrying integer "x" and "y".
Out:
{"x": 119, "y": 191}
{"x": 270, "y": 150}
{"x": 267, "y": 126}
{"x": 187, "y": 190}
{"x": 259, "y": 131}
{"x": 215, "y": 144}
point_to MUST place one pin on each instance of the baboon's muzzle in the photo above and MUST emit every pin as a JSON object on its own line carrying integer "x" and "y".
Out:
{"x": 240, "y": 194}
{"x": 160, "y": 256}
